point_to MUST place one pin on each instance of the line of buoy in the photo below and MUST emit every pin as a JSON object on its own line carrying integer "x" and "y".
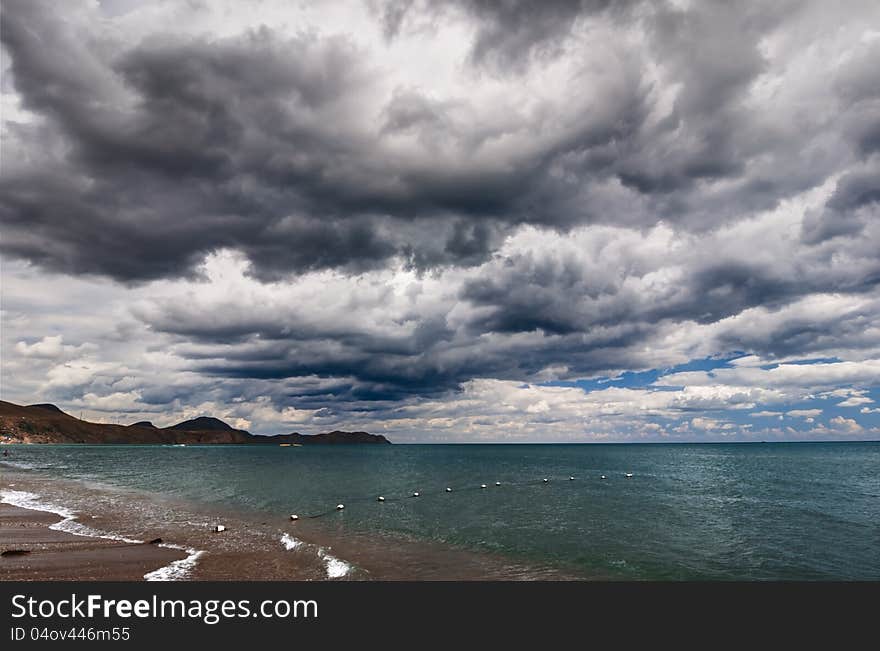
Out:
{"x": 381, "y": 498}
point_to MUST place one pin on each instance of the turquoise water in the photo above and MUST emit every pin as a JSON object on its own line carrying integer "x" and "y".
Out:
{"x": 715, "y": 511}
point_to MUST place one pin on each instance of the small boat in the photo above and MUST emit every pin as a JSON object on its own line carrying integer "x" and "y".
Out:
{"x": 284, "y": 445}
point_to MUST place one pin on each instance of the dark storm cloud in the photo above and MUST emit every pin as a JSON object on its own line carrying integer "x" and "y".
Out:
{"x": 174, "y": 148}
{"x": 855, "y": 201}
{"x": 429, "y": 359}
{"x": 567, "y": 293}
{"x": 432, "y": 370}
{"x": 180, "y": 148}
{"x": 510, "y": 32}
{"x": 147, "y": 155}
{"x": 507, "y": 34}
{"x": 184, "y": 148}
{"x": 803, "y": 334}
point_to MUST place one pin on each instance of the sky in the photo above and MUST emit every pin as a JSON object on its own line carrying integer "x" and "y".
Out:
{"x": 562, "y": 221}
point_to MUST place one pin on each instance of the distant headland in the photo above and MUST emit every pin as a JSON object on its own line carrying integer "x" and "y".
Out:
{"x": 45, "y": 423}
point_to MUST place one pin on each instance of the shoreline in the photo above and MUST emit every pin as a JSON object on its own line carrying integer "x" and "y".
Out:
{"x": 255, "y": 546}
{"x": 66, "y": 542}
{"x": 54, "y": 554}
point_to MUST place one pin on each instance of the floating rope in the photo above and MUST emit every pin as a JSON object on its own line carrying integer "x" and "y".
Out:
{"x": 448, "y": 489}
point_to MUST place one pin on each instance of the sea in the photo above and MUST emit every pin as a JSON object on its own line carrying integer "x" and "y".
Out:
{"x": 631, "y": 512}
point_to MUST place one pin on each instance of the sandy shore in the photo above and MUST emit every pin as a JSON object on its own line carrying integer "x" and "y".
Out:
{"x": 58, "y": 555}
{"x": 73, "y": 531}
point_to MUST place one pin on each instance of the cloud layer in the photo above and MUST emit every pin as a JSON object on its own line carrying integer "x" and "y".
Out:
{"x": 453, "y": 222}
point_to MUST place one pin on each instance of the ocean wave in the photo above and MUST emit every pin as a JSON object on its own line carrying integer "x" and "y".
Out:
{"x": 289, "y": 542}
{"x": 176, "y": 570}
{"x": 69, "y": 524}
{"x": 336, "y": 568}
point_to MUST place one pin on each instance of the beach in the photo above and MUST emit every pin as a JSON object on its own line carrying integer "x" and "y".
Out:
{"x": 57, "y": 555}
{"x": 88, "y": 538}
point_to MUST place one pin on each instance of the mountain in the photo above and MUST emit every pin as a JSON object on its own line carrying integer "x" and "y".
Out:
{"x": 202, "y": 424}
{"x": 49, "y": 407}
{"x": 48, "y": 424}
{"x": 330, "y": 438}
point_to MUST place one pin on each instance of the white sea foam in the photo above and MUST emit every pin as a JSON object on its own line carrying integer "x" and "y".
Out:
{"x": 32, "y": 501}
{"x": 69, "y": 524}
{"x": 290, "y": 542}
{"x": 336, "y": 568}
{"x": 174, "y": 571}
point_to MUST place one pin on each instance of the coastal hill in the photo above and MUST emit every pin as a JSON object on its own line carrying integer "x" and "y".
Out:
{"x": 46, "y": 423}
{"x": 202, "y": 424}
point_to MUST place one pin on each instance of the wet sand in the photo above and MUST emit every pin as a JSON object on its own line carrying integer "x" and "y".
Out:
{"x": 59, "y": 556}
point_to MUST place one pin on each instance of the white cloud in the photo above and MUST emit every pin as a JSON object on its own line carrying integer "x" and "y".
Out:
{"x": 784, "y": 377}
{"x": 845, "y": 424}
{"x": 855, "y": 401}
{"x": 51, "y": 347}
{"x": 804, "y": 413}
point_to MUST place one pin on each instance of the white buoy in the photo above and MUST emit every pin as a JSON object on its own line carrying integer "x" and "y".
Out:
{"x": 339, "y": 507}
{"x": 219, "y": 528}
{"x": 498, "y": 483}
{"x": 293, "y": 516}
{"x": 602, "y": 477}
{"x": 546, "y": 480}
{"x": 629, "y": 474}
{"x": 571, "y": 479}
{"x": 381, "y": 499}
{"x": 482, "y": 485}
{"x": 448, "y": 490}
{"x": 416, "y": 494}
